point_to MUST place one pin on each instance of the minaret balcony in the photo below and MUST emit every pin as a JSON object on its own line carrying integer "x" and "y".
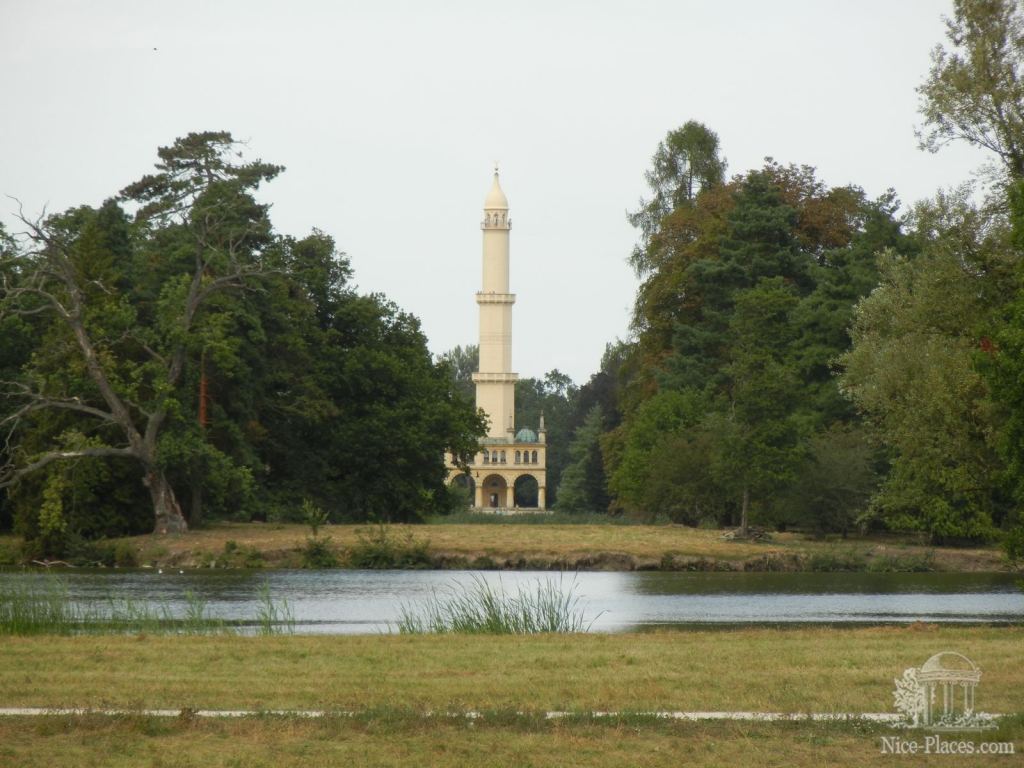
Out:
{"x": 495, "y": 298}
{"x": 499, "y": 378}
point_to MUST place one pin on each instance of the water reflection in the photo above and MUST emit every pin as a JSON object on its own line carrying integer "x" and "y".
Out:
{"x": 341, "y": 602}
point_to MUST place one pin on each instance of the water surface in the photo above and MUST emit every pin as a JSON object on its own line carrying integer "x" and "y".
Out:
{"x": 366, "y": 602}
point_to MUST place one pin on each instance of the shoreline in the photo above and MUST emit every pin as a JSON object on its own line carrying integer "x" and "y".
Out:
{"x": 542, "y": 547}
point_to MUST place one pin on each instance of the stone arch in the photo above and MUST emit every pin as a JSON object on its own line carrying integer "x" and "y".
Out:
{"x": 526, "y": 491}
{"x": 496, "y": 491}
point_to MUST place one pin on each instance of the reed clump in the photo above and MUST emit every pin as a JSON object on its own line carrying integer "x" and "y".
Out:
{"x": 481, "y": 609}
{"x": 47, "y": 608}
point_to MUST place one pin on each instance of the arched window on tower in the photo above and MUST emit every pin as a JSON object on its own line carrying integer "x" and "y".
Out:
{"x": 534, "y": 460}
{"x": 519, "y": 456}
{"x": 487, "y": 457}
{"x": 502, "y": 457}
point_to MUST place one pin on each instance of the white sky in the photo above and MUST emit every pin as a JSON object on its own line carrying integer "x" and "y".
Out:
{"x": 389, "y": 115}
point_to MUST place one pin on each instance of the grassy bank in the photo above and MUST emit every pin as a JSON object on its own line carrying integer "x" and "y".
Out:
{"x": 786, "y": 670}
{"x": 545, "y": 546}
{"x": 391, "y": 681}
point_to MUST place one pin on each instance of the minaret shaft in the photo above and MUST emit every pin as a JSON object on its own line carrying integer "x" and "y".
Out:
{"x": 495, "y": 381}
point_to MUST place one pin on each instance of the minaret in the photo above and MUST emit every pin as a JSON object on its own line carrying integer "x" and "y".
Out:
{"x": 495, "y": 382}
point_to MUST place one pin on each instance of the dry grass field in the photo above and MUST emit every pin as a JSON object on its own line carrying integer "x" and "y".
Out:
{"x": 611, "y": 547}
{"x": 756, "y": 669}
{"x": 131, "y": 742}
{"x": 390, "y": 682}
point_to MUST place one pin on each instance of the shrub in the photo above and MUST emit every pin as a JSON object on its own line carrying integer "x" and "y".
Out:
{"x": 125, "y": 555}
{"x": 379, "y": 548}
{"x": 319, "y": 553}
{"x": 313, "y": 516}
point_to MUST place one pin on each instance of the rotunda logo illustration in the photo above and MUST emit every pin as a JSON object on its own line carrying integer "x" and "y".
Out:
{"x": 940, "y": 695}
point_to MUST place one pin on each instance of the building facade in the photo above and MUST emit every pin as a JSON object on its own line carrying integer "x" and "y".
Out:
{"x": 510, "y": 463}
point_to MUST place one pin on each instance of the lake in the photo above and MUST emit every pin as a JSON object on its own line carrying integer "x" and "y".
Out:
{"x": 368, "y": 602}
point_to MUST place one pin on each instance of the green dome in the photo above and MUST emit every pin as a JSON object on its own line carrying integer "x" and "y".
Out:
{"x": 525, "y": 435}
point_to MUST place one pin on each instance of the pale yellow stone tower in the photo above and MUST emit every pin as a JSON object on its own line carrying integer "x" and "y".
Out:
{"x": 507, "y": 458}
{"x": 495, "y": 382}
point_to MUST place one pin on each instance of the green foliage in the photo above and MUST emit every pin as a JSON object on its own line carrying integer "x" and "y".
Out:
{"x": 86, "y": 499}
{"x": 834, "y": 483}
{"x": 319, "y": 553}
{"x": 744, "y": 305}
{"x": 912, "y": 371}
{"x": 379, "y": 548}
{"x": 1013, "y": 543}
{"x": 125, "y": 555}
{"x": 582, "y": 486}
{"x": 686, "y": 163}
{"x": 308, "y": 389}
{"x": 313, "y": 516}
{"x": 975, "y": 88}
{"x": 462, "y": 363}
{"x": 236, "y": 556}
{"x": 664, "y": 414}
{"x": 553, "y": 397}
{"x": 52, "y": 525}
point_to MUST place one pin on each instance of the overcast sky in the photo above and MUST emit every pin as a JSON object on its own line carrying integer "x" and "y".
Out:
{"x": 389, "y": 116}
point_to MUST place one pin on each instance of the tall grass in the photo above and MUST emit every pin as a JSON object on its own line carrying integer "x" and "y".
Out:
{"x": 273, "y": 617}
{"x": 480, "y": 609}
{"x": 27, "y": 611}
{"x": 47, "y": 609}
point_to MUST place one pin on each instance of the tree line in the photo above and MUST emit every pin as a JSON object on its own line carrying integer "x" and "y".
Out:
{"x": 804, "y": 356}
{"x": 168, "y": 356}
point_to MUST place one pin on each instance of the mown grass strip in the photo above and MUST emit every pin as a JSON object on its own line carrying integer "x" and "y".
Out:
{"x": 385, "y": 739}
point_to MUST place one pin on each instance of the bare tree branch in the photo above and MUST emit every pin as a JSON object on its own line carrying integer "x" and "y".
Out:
{"x": 9, "y": 475}
{"x": 41, "y": 402}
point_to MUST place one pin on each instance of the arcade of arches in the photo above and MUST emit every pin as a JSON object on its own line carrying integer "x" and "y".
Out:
{"x": 502, "y": 490}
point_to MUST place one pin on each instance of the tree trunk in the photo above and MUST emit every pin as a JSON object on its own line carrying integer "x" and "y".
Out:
{"x": 165, "y": 504}
{"x": 744, "y": 522}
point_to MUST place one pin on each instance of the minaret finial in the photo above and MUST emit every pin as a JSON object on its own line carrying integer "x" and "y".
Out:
{"x": 495, "y": 167}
